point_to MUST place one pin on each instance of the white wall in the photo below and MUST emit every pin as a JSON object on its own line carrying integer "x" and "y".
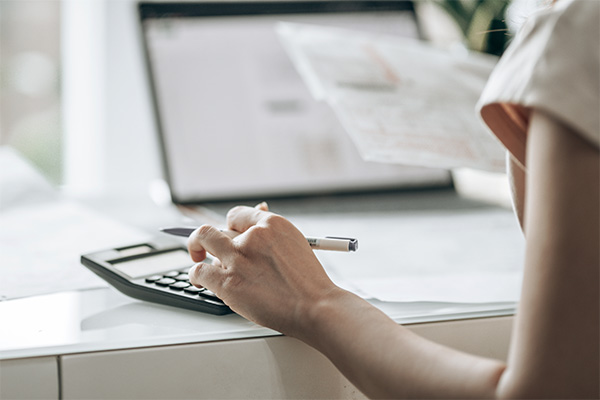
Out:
{"x": 110, "y": 139}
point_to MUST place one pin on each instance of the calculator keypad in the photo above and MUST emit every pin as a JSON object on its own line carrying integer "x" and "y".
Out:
{"x": 179, "y": 281}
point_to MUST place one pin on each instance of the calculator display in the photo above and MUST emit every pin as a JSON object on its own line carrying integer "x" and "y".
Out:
{"x": 157, "y": 263}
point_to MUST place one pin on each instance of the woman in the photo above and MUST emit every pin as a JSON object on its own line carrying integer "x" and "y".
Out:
{"x": 542, "y": 103}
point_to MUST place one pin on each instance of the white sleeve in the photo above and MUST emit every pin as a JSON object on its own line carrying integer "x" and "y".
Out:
{"x": 553, "y": 65}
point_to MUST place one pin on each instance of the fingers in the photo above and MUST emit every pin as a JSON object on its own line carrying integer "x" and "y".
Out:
{"x": 218, "y": 243}
{"x": 262, "y": 206}
{"x": 208, "y": 238}
{"x": 241, "y": 218}
{"x": 206, "y": 275}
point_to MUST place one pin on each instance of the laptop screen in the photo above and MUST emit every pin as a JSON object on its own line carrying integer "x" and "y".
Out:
{"x": 235, "y": 119}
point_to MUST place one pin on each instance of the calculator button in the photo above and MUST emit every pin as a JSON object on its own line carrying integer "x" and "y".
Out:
{"x": 216, "y": 301}
{"x": 179, "y": 285}
{"x": 182, "y": 277}
{"x": 165, "y": 281}
{"x": 210, "y": 297}
{"x": 209, "y": 294}
{"x": 153, "y": 278}
{"x": 193, "y": 290}
{"x": 171, "y": 274}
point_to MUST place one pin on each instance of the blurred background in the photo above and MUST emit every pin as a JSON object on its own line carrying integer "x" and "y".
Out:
{"x": 30, "y": 72}
{"x": 71, "y": 84}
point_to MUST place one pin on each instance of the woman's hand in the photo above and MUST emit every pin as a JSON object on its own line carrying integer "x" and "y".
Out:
{"x": 268, "y": 274}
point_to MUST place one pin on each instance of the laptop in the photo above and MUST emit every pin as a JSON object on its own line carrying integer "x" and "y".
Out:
{"x": 236, "y": 121}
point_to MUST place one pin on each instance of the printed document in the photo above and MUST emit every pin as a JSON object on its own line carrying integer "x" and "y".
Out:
{"x": 402, "y": 101}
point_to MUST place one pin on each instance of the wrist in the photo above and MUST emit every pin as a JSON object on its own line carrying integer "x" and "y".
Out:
{"x": 317, "y": 319}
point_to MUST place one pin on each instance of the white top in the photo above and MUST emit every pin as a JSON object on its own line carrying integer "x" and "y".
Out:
{"x": 551, "y": 65}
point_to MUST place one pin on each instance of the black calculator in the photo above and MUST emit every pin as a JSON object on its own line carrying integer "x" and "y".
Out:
{"x": 154, "y": 271}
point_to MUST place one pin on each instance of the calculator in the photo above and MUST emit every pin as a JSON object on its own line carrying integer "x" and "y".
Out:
{"x": 155, "y": 271}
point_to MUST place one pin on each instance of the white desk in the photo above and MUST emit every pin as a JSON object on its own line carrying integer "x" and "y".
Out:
{"x": 99, "y": 343}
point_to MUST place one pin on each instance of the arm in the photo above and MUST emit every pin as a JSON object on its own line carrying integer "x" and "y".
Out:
{"x": 283, "y": 286}
{"x": 554, "y": 352}
{"x": 555, "y": 346}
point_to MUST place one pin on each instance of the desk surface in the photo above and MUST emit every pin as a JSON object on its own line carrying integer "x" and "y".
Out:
{"x": 104, "y": 319}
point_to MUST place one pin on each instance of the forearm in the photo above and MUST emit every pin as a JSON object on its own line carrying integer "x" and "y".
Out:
{"x": 386, "y": 360}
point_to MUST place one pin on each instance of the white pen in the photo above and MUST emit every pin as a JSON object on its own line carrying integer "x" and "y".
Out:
{"x": 326, "y": 243}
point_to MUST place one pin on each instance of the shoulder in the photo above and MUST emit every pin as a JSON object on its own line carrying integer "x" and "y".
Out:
{"x": 552, "y": 65}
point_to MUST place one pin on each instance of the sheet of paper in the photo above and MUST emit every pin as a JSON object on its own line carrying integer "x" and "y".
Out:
{"x": 401, "y": 101}
{"x": 40, "y": 247}
{"x": 461, "y": 256}
{"x": 42, "y": 235}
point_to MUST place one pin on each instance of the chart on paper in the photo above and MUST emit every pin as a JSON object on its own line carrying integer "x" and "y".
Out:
{"x": 400, "y": 100}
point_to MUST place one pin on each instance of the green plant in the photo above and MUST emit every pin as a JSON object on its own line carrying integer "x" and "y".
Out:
{"x": 481, "y": 22}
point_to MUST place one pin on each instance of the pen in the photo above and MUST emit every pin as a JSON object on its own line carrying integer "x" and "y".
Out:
{"x": 326, "y": 243}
